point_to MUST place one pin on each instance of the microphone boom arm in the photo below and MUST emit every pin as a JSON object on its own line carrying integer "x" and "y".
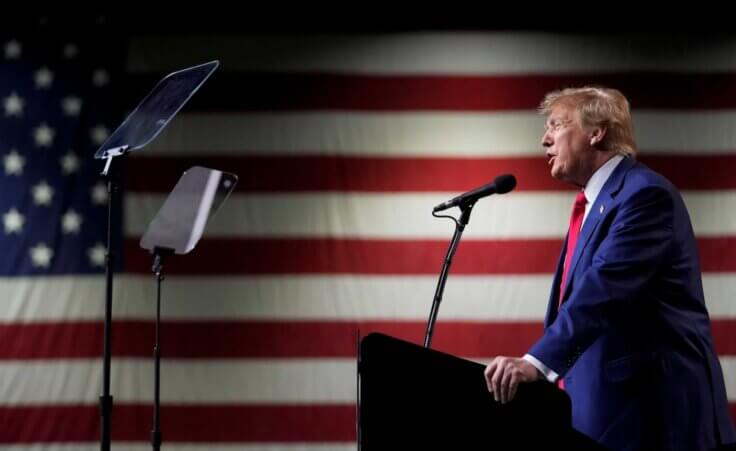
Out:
{"x": 466, "y": 209}
{"x": 501, "y": 185}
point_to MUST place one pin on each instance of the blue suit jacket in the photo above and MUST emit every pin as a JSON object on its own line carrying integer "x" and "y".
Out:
{"x": 632, "y": 338}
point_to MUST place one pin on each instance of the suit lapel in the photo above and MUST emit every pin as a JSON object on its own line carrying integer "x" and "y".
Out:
{"x": 554, "y": 296}
{"x": 598, "y": 209}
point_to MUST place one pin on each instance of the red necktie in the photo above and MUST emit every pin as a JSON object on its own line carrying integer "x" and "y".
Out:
{"x": 576, "y": 221}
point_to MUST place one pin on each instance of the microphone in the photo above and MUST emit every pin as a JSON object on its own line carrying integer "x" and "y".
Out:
{"x": 501, "y": 185}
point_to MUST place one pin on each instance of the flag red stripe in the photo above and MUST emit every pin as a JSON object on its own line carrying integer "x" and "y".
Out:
{"x": 256, "y": 339}
{"x": 366, "y": 256}
{"x": 319, "y": 91}
{"x": 723, "y": 331}
{"x": 181, "y": 423}
{"x": 264, "y": 339}
{"x": 381, "y": 174}
{"x": 343, "y": 256}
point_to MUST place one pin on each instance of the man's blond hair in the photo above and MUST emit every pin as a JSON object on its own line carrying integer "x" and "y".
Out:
{"x": 597, "y": 106}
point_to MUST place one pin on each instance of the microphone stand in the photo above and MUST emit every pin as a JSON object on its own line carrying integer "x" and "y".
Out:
{"x": 465, "y": 210}
{"x": 158, "y": 270}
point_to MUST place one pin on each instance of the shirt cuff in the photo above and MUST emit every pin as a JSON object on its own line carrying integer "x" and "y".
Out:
{"x": 549, "y": 374}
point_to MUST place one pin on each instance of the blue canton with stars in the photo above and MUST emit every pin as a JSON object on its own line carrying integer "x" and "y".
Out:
{"x": 57, "y": 107}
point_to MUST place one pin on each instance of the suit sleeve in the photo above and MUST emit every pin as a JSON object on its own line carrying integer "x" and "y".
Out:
{"x": 638, "y": 241}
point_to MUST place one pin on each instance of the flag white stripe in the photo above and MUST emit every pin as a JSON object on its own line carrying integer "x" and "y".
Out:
{"x": 182, "y": 381}
{"x": 275, "y": 298}
{"x": 434, "y": 53}
{"x": 421, "y": 134}
{"x": 299, "y": 298}
{"x": 277, "y": 381}
{"x": 396, "y": 216}
{"x": 517, "y": 215}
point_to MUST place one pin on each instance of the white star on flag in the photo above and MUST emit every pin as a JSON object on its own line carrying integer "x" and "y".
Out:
{"x": 42, "y": 193}
{"x": 13, "y": 221}
{"x": 43, "y": 135}
{"x": 70, "y": 50}
{"x": 14, "y": 105}
{"x": 12, "y": 49}
{"x": 99, "y": 134}
{"x": 69, "y": 163}
{"x": 99, "y": 194}
{"x": 14, "y": 163}
{"x": 71, "y": 221}
{"x": 43, "y": 78}
{"x": 71, "y": 105}
{"x": 100, "y": 77}
{"x": 96, "y": 254}
{"x": 41, "y": 255}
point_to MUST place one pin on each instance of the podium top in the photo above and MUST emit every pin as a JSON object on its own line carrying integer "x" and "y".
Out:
{"x": 156, "y": 110}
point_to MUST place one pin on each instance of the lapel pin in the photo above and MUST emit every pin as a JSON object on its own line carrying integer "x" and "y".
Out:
{"x": 601, "y": 209}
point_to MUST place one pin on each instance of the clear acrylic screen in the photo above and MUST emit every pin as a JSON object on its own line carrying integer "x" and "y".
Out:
{"x": 157, "y": 109}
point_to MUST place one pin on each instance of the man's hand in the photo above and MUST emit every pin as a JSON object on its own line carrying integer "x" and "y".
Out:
{"x": 504, "y": 374}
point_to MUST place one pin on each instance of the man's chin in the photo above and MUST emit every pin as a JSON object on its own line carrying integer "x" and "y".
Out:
{"x": 557, "y": 173}
{"x": 562, "y": 176}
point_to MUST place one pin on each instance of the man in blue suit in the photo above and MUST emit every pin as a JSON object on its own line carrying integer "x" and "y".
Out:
{"x": 627, "y": 333}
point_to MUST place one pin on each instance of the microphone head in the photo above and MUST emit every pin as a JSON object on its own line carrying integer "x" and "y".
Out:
{"x": 504, "y": 183}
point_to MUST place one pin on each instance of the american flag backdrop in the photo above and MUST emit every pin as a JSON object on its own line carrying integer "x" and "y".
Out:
{"x": 343, "y": 143}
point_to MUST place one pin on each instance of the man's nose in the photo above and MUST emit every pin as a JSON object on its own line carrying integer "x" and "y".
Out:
{"x": 546, "y": 140}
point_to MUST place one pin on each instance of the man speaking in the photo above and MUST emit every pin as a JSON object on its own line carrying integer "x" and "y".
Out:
{"x": 627, "y": 333}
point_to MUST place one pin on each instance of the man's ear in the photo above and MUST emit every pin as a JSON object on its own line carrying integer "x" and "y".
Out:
{"x": 596, "y": 136}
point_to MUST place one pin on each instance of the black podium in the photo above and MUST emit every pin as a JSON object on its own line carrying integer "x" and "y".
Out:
{"x": 416, "y": 398}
